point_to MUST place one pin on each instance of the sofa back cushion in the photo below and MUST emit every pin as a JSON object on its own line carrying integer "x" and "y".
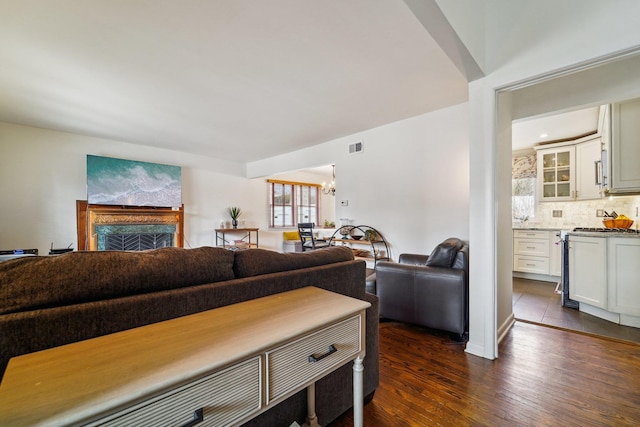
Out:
{"x": 254, "y": 262}
{"x": 461, "y": 262}
{"x": 76, "y": 277}
{"x": 445, "y": 253}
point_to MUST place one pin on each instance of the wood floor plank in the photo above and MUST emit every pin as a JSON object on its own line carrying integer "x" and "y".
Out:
{"x": 543, "y": 377}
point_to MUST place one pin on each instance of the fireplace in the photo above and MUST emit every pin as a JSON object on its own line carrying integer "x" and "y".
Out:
{"x": 106, "y": 227}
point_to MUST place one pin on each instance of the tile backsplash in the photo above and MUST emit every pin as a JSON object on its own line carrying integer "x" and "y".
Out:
{"x": 583, "y": 213}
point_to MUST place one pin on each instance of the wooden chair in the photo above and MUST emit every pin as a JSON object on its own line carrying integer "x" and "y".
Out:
{"x": 308, "y": 239}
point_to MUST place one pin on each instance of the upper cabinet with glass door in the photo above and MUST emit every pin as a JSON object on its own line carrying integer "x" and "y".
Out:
{"x": 556, "y": 166}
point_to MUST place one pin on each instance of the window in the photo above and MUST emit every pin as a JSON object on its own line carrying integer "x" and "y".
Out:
{"x": 293, "y": 202}
{"x": 523, "y": 198}
{"x": 523, "y": 188}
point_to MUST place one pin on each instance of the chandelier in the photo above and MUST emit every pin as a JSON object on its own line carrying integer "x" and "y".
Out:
{"x": 331, "y": 188}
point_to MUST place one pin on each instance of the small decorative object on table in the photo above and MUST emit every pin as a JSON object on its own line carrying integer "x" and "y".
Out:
{"x": 371, "y": 235}
{"x": 234, "y": 213}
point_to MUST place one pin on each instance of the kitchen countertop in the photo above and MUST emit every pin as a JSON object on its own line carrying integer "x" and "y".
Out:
{"x": 536, "y": 228}
{"x": 583, "y": 233}
{"x": 603, "y": 234}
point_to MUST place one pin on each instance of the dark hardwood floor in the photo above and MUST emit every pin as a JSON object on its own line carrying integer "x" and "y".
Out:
{"x": 543, "y": 377}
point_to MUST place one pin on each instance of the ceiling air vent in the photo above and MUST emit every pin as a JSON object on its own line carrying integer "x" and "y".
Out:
{"x": 356, "y": 147}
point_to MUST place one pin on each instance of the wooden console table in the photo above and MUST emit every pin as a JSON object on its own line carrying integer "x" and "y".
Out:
{"x": 222, "y": 241}
{"x": 218, "y": 367}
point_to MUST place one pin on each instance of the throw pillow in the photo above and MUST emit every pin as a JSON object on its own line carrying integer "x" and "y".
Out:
{"x": 445, "y": 253}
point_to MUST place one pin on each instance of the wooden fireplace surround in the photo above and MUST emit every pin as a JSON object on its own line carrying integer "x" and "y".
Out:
{"x": 88, "y": 216}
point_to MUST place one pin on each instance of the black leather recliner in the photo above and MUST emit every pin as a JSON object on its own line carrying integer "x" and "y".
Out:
{"x": 428, "y": 290}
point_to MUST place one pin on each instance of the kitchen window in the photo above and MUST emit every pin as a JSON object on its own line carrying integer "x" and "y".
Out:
{"x": 293, "y": 202}
{"x": 523, "y": 188}
{"x": 523, "y": 201}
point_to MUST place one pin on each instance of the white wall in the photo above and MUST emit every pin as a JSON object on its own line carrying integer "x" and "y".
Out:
{"x": 511, "y": 36}
{"x": 43, "y": 173}
{"x": 411, "y": 181}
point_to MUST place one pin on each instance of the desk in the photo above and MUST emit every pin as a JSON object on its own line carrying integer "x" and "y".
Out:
{"x": 222, "y": 367}
{"x": 221, "y": 238}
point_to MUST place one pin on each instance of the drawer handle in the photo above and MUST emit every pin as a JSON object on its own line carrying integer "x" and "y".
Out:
{"x": 314, "y": 358}
{"x": 198, "y": 417}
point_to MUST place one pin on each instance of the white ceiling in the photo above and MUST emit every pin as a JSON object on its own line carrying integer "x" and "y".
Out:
{"x": 239, "y": 80}
{"x": 234, "y": 79}
{"x": 540, "y": 130}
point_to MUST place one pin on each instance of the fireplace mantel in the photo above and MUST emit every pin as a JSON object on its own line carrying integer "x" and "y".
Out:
{"x": 91, "y": 216}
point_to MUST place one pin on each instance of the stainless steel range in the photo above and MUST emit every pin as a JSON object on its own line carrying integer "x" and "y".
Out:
{"x": 564, "y": 276}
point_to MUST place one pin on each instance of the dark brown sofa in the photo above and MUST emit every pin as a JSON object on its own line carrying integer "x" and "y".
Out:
{"x": 51, "y": 301}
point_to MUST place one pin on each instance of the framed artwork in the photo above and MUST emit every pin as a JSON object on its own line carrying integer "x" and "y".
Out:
{"x": 122, "y": 182}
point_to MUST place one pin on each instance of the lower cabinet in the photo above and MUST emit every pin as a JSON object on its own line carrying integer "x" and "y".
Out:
{"x": 537, "y": 252}
{"x": 603, "y": 273}
{"x": 588, "y": 270}
{"x": 624, "y": 273}
{"x": 555, "y": 254}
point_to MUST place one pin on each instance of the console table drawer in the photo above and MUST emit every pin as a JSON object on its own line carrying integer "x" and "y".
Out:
{"x": 224, "y": 397}
{"x": 291, "y": 365}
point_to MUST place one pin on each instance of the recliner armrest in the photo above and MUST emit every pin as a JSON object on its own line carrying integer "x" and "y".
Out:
{"x": 390, "y": 266}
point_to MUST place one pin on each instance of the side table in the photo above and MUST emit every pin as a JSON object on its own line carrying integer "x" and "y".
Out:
{"x": 224, "y": 241}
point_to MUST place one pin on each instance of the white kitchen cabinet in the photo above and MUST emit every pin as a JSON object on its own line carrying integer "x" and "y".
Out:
{"x": 588, "y": 156}
{"x": 624, "y": 275}
{"x": 624, "y": 167}
{"x": 556, "y": 173}
{"x": 531, "y": 251}
{"x": 569, "y": 172}
{"x": 555, "y": 254}
{"x": 588, "y": 270}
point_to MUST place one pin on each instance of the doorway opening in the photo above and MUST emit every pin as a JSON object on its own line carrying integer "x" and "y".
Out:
{"x": 610, "y": 80}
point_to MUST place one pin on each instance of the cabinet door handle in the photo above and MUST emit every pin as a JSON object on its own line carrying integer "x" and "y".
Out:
{"x": 598, "y": 166}
{"x": 314, "y": 358}
{"x": 198, "y": 417}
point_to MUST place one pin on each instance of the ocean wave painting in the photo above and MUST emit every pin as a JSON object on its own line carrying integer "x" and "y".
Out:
{"x": 132, "y": 183}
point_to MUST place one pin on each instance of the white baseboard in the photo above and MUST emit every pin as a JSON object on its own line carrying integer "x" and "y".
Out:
{"x": 534, "y": 276}
{"x": 476, "y": 349}
{"x": 599, "y": 312}
{"x": 504, "y": 328}
{"x": 628, "y": 320}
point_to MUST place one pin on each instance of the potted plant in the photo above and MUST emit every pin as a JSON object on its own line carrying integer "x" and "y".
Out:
{"x": 234, "y": 213}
